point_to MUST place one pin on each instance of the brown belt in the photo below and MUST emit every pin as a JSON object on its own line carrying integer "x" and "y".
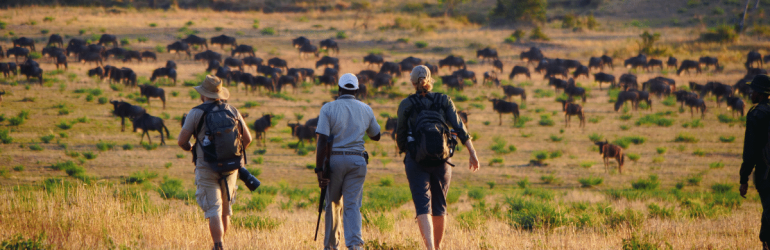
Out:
{"x": 347, "y": 153}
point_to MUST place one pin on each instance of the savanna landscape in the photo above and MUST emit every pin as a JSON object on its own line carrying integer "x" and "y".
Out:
{"x": 71, "y": 179}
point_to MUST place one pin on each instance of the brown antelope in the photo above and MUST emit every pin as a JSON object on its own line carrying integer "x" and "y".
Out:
{"x": 608, "y": 151}
{"x": 571, "y": 109}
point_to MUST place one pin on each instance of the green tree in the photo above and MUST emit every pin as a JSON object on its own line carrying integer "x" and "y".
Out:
{"x": 647, "y": 42}
{"x": 521, "y": 10}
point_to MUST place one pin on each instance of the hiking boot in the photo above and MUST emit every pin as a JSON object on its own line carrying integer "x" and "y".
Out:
{"x": 218, "y": 246}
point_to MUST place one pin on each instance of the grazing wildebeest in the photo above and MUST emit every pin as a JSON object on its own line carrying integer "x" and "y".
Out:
{"x": 742, "y": 86}
{"x": 330, "y": 45}
{"x": 628, "y": 81}
{"x": 312, "y": 122}
{"x": 414, "y": 60}
{"x": 170, "y": 64}
{"x": 735, "y": 104}
{"x": 52, "y": 52}
{"x": 519, "y": 70}
{"x": 669, "y": 81}
{"x": 24, "y": 42}
{"x": 687, "y": 65}
{"x": 267, "y": 70}
{"x": 55, "y": 39}
{"x": 581, "y": 70}
{"x": 295, "y": 72}
{"x": 368, "y": 73}
{"x": 709, "y": 61}
{"x": 394, "y": 69}
{"x": 308, "y": 49}
{"x": 148, "y": 123}
{"x": 607, "y": 60}
{"x": 327, "y": 61}
{"x": 327, "y": 80}
{"x": 5, "y": 69}
{"x": 604, "y": 77}
{"x": 276, "y": 62}
{"x": 503, "y": 107}
{"x": 571, "y": 109}
{"x": 607, "y": 151}
{"x": 98, "y": 48}
{"x": 76, "y": 49}
{"x": 308, "y": 74}
{"x": 382, "y": 79}
{"x": 373, "y": 59}
{"x": 625, "y": 96}
{"x": 252, "y": 61}
{"x": 452, "y": 61}
{"x": 657, "y": 87}
{"x": 96, "y": 72}
{"x": 654, "y": 62}
{"x": 196, "y": 40}
{"x": 61, "y": 59}
{"x": 683, "y": 95}
{"x": 572, "y": 90}
{"x": 486, "y": 54}
{"x": 490, "y": 76}
{"x": 152, "y": 91}
{"x": 513, "y": 91}
{"x": 2, "y": 52}
{"x": 332, "y": 72}
{"x": 129, "y": 78}
{"x": 123, "y": 109}
{"x": 637, "y": 61}
{"x": 304, "y": 133}
{"x": 718, "y": 89}
{"x": 149, "y": 54}
{"x": 17, "y": 52}
{"x": 698, "y": 104}
{"x": 30, "y": 68}
{"x": 225, "y": 74}
{"x": 222, "y": 40}
{"x": 107, "y": 39}
{"x": 132, "y": 54}
{"x": 213, "y": 64}
{"x": 644, "y": 96}
{"x": 595, "y": 62}
{"x": 406, "y": 67}
{"x": 299, "y": 41}
{"x": 207, "y": 55}
{"x": 557, "y": 83}
{"x": 243, "y": 49}
{"x": 466, "y": 74}
{"x": 672, "y": 62}
{"x": 555, "y": 70}
{"x": 287, "y": 79}
{"x": 532, "y": 55}
{"x": 261, "y": 126}
{"x": 571, "y": 64}
{"x": 115, "y": 51}
{"x": 176, "y": 47}
{"x": 453, "y": 82}
{"x": 753, "y": 57}
{"x": 164, "y": 72}
{"x": 497, "y": 64}
{"x": 234, "y": 62}
{"x": 542, "y": 65}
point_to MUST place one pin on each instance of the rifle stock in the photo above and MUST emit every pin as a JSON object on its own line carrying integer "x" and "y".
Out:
{"x": 326, "y": 173}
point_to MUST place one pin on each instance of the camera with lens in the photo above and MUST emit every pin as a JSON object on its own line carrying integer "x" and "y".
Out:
{"x": 251, "y": 182}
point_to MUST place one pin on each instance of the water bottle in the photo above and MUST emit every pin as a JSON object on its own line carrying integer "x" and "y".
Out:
{"x": 206, "y": 141}
{"x": 409, "y": 138}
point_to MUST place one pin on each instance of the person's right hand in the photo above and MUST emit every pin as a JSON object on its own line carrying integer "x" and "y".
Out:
{"x": 322, "y": 182}
{"x": 744, "y": 189}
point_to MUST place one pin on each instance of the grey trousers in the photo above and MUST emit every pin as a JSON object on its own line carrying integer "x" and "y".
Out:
{"x": 348, "y": 173}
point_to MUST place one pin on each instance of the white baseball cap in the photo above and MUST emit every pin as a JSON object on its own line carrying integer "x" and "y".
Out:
{"x": 348, "y": 79}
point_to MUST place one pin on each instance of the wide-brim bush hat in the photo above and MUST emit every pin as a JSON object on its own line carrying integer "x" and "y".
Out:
{"x": 212, "y": 88}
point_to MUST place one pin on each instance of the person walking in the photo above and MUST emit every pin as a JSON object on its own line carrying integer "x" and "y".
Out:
{"x": 757, "y": 122}
{"x": 215, "y": 149}
{"x": 422, "y": 132}
{"x": 346, "y": 120}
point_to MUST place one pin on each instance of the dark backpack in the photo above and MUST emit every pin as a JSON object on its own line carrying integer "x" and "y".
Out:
{"x": 432, "y": 143}
{"x": 222, "y": 145}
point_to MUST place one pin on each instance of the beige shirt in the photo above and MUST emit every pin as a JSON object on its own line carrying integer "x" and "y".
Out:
{"x": 191, "y": 124}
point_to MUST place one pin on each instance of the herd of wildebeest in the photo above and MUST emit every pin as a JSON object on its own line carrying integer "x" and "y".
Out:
{"x": 274, "y": 74}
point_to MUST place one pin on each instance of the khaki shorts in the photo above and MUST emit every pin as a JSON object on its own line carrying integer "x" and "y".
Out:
{"x": 211, "y": 194}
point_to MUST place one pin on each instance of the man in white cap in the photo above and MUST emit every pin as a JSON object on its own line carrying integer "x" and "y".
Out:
{"x": 346, "y": 119}
{"x": 215, "y": 189}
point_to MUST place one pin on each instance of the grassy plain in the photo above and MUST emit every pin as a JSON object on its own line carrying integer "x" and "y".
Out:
{"x": 124, "y": 197}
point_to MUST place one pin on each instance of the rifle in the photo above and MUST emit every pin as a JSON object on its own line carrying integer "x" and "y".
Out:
{"x": 326, "y": 173}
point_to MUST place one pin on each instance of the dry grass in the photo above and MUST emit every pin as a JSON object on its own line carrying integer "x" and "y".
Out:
{"x": 91, "y": 216}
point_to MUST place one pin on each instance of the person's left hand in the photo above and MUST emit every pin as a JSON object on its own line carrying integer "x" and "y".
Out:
{"x": 322, "y": 182}
{"x": 744, "y": 189}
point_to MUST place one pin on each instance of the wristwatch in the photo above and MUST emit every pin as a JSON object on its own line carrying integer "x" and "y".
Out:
{"x": 318, "y": 170}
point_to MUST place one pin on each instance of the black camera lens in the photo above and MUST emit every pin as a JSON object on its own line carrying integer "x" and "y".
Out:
{"x": 251, "y": 182}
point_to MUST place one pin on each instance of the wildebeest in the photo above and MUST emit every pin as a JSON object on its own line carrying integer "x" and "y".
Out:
{"x": 382, "y": 80}
{"x": 96, "y": 72}
{"x": 132, "y": 54}
{"x": 607, "y": 60}
{"x": 570, "y": 64}
{"x": 30, "y": 68}
{"x": 718, "y": 89}
{"x": 61, "y": 59}
{"x": 223, "y": 40}
{"x": 330, "y": 45}
{"x": 149, "y": 54}
{"x": 687, "y": 65}
{"x": 432, "y": 68}
{"x": 742, "y": 86}
{"x": 368, "y": 73}
{"x": 55, "y": 39}
{"x": 327, "y": 80}
{"x": 108, "y": 39}
{"x": 643, "y": 96}
{"x": 287, "y": 79}
{"x": 24, "y": 42}
{"x": 267, "y": 70}
{"x": 276, "y": 62}
{"x": 557, "y": 83}
{"x": 735, "y": 104}
{"x": 98, "y": 48}
{"x": 213, "y": 64}
{"x": 709, "y": 61}
{"x": 394, "y": 69}
{"x": 572, "y": 90}
{"x": 490, "y": 76}
{"x": 571, "y": 109}
{"x": 226, "y": 75}
{"x": 487, "y": 54}
{"x": 196, "y": 40}
{"x": 672, "y": 62}
{"x": 671, "y": 82}
{"x": 308, "y": 49}
{"x": 697, "y": 104}
{"x": 555, "y": 70}
{"x": 466, "y": 74}
{"x": 595, "y": 62}
{"x": 503, "y": 107}
{"x": 115, "y": 51}
{"x": 497, "y": 64}
{"x": 152, "y": 91}
{"x": 513, "y": 91}
{"x": 242, "y": 49}
{"x": 252, "y": 61}
{"x": 683, "y": 95}
{"x": 303, "y": 132}
{"x": 148, "y": 123}
{"x": 308, "y": 74}
{"x": 654, "y": 62}
{"x": 299, "y": 41}
{"x": 176, "y": 47}
{"x": 604, "y": 77}
{"x": 327, "y": 61}
{"x": 17, "y": 52}
{"x": 207, "y": 56}
{"x": 625, "y": 96}
{"x": 532, "y": 55}
{"x": 406, "y": 67}
{"x": 581, "y": 70}
{"x": 126, "y": 110}
{"x": 52, "y": 52}
{"x": 373, "y": 59}
{"x": 234, "y": 62}
{"x": 628, "y": 81}
{"x": 261, "y": 126}
{"x": 5, "y": 70}
{"x": 451, "y": 61}
{"x": 453, "y": 82}
{"x": 657, "y": 87}
{"x": 607, "y": 151}
{"x": 637, "y": 61}
{"x": 519, "y": 70}
{"x": 164, "y": 72}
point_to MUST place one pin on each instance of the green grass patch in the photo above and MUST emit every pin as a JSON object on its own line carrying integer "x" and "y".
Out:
{"x": 590, "y": 181}
{"x": 685, "y": 137}
{"x": 727, "y": 139}
{"x": 140, "y": 177}
{"x": 650, "y": 183}
{"x": 172, "y": 188}
{"x": 500, "y": 146}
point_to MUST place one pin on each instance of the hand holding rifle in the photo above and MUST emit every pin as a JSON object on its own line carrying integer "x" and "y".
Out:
{"x": 323, "y": 170}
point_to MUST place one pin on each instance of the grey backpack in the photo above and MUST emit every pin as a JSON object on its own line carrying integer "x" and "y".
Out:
{"x": 222, "y": 145}
{"x": 433, "y": 144}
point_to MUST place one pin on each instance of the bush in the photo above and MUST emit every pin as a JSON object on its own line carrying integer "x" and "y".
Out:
{"x": 727, "y": 138}
{"x": 590, "y": 181}
{"x": 540, "y": 156}
{"x": 149, "y": 146}
{"x": 16, "y": 121}
{"x": 633, "y": 157}
{"x": 194, "y": 94}
{"x": 624, "y": 142}
{"x": 529, "y": 215}
{"x": 104, "y": 146}
{"x": 172, "y": 188}
{"x": 722, "y": 187}
{"x": 477, "y": 193}
{"x": 635, "y": 242}
{"x": 694, "y": 180}
{"x": 140, "y": 177}
{"x": 537, "y": 34}
{"x": 341, "y": 35}
{"x": 521, "y": 121}
{"x": 523, "y": 183}
{"x": 720, "y": 34}
{"x": 715, "y": 165}
{"x": 586, "y": 164}
{"x": 269, "y": 31}
{"x": 499, "y": 146}
{"x": 545, "y": 120}
{"x": 549, "y": 179}
{"x": 646, "y": 184}
{"x": 47, "y": 138}
{"x": 556, "y": 138}
{"x": 661, "y": 150}
{"x": 421, "y": 44}
{"x": 103, "y": 100}
{"x": 19, "y": 242}
{"x": 89, "y": 155}
{"x": 595, "y": 137}
{"x": 699, "y": 152}
{"x": 655, "y": 119}
{"x": 128, "y": 146}
{"x": 35, "y": 147}
{"x": 386, "y": 181}
{"x": 683, "y": 137}
{"x": 516, "y": 10}
{"x": 495, "y": 161}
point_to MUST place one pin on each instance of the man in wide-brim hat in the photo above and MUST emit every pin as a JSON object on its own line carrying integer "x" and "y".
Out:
{"x": 755, "y": 143}
{"x": 215, "y": 191}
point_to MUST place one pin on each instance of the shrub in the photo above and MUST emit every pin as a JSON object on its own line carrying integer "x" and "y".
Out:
{"x": 499, "y": 146}
{"x": 693, "y": 124}
{"x": 140, "y": 177}
{"x": 104, "y": 146}
{"x": 47, "y": 138}
{"x": 556, "y": 138}
{"x": 720, "y": 34}
{"x": 633, "y": 157}
{"x": 523, "y": 183}
{"x": 89, "y": 155}
{"x": 684, "y": 137}
{"x": 654, "y": 119}
{"x": 699, "y": 152}
{"x": 149, "y": 146}
{"x": 16, "y": 121}
{"x": 124, "y": 42}
{"x": 537, "y": 34}
{"x": 477, "y": 193}
{"x": 727, "y": 138}
{"x": 128, "y": 146}
{"x": 421, "y": 44}
{"x": 36, "y": 147}
{"x": 529, "y": 215}
{"x": 19, "y": 242}
{"x": 595, "y": 137}
{"x": 341, "y": 35}
{"x": 495, "y": 161}
{"x": 521, "y": 121}
{"x": 172, "y": 188}
{"x": 586, "y": 164}
{"x": 661, "y": 150}
{"x": 715, "y": 165}
{"x": 269, "y": 31}
{"x": 629, "y": 218}
{"x": 694, "y": 180}
{"x": 386, "y": 181}
{"x": 636, "y": 242}
{"x": 549, "y": 179}
{"x": 646, "y": 184}
{"x": 194, "y": 94}
{"x": 545, "y": 120}
{"x": 624, "y": 142}
{"x": 722, "y": 187}
{"x": 514, "y": 11}
{"x": 590, "y": 181}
